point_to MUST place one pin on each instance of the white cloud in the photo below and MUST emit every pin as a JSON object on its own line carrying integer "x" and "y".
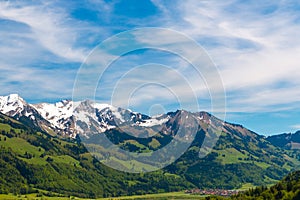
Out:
{"x": 40, "y": 47}
{"x": 38, "y": 83}
{"x": 51, "y": 27}
{"x": 296, "y": 126}
{"x": 254, "y": 49}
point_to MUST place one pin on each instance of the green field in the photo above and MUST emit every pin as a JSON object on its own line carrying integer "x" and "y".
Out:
{"x": 31, "y": 197}
{"x": 21, "y": 147}
{"x": 230, "y": 155}
{"x": 171, "y": 195}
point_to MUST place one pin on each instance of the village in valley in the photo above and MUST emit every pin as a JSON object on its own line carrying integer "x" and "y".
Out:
{"x": 218, "y": 192}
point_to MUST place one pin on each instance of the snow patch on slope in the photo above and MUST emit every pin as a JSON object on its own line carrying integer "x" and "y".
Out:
{"x": 54, "y": 113}
{"x": 105, "y": 109}
{"x": 153, "y": 122}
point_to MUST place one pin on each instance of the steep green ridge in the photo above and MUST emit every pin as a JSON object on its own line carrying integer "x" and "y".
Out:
{"x": 32, "y": 161}
{"x": 239, "y": 157}
{"x": 286, "y": 189}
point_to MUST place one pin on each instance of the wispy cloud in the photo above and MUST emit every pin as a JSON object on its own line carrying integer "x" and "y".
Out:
{"x": 51, "y": 27}
{"x": 295, "y": 126}
{"x": 255, "y": 46}
{"x": 51, "y": 84}
{"x": 41, "y": 48}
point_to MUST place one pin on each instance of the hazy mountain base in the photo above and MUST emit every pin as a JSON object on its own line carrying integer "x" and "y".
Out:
{"x": 32, "y": 160}
{"x": 290, "y": 141}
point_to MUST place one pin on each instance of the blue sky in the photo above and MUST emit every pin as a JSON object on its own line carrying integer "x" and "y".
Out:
{"x": 254, "y": 44}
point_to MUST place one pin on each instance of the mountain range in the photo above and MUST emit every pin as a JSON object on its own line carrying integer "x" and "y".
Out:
{"x": 44, "y": 153}
{"x": 58, "y": 118}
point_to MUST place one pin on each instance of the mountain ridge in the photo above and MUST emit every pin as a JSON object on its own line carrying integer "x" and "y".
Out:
{"x": 59, "y": 116}
{"x": 289, "y": 141}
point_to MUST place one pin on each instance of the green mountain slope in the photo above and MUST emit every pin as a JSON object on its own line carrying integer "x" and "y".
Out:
{"x": 31, "y": 161}
{"x": 239, "y": 157}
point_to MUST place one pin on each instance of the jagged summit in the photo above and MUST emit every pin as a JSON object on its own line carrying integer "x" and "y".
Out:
{"x": 11, "y": 104}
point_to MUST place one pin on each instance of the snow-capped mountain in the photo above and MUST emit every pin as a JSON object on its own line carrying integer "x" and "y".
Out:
{"x": 95, "y": 117}
{"x": 62, "y": 117}
{"x": 15, "y": 106}
{"x": 55, "y": 113}
{"x": 12, "y": 104}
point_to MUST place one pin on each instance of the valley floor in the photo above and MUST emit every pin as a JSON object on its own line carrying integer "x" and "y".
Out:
{"x": 171, "y": 195}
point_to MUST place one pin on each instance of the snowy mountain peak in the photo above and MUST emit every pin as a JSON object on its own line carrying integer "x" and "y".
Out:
{"x": 12, "y": 104}
{"x": 56, "y": 113}
{"x": 14, "y": 97}
{"x": 101, "y": 106}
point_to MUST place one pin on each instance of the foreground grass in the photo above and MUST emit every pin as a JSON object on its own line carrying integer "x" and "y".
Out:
{"x": 31, "y": 197}
{"x": 171, "y": 195}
